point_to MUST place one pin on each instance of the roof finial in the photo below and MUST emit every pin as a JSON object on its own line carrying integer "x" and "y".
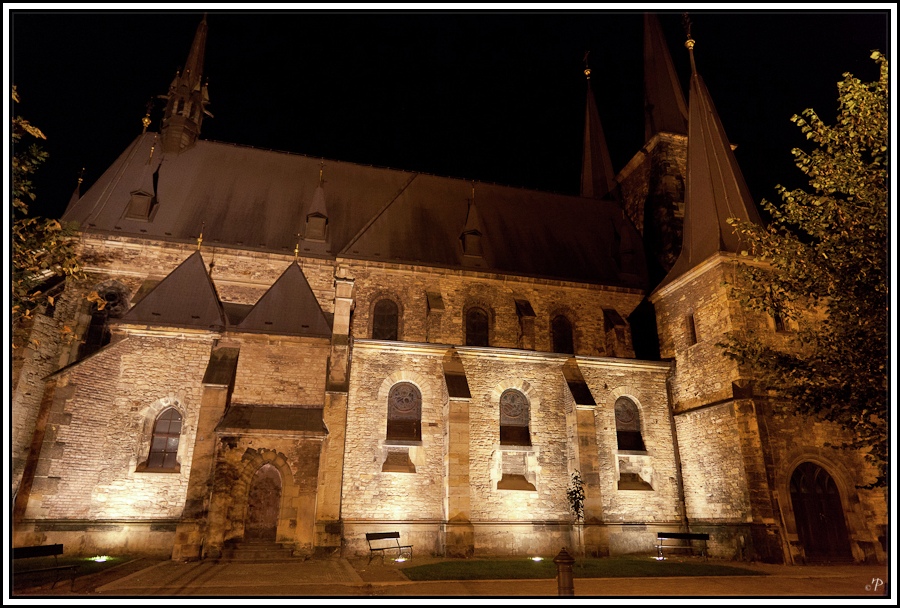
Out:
{"x": 297, "y": 249}
{"x": 146, "y": 119}
{"x": 81, "y": 176}
{"x": 321, "y": 173}
{"x": 587, "y": 68}
{"x": 200, "y": 238}
{"x": 689, "y": 43}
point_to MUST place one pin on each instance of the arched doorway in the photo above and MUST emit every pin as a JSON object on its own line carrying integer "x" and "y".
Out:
{"x": 819, "y": 515}
{"x": 263, "y": 505}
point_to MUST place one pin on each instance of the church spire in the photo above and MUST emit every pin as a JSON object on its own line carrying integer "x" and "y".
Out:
{"x": 187, "y": 99}
{"x": 715, "y": 187}
{"x": 664, "y": 107}
{"x": 597, "y": 176}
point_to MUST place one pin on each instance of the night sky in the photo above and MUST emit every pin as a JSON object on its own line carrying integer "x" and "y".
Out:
{"x": 494, "y": 96}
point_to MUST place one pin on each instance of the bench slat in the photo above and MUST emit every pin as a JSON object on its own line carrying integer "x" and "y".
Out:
{"x": 682, "y": 535}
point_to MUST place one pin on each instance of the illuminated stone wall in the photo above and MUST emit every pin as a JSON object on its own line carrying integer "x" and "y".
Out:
{"x": 581, "y": 304}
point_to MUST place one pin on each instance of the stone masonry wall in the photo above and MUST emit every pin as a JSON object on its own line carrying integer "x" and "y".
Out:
{"x": 545, "y": 464}
{"x": 702, "y": 373}
{"x": 368, "y": 492}
{"x": 645, "y": 384}
{"x": 280, "y": 370}
{"x": 98, "y": 435}
{"x": 712, "y": 466}
{"x": 581, "y": 304}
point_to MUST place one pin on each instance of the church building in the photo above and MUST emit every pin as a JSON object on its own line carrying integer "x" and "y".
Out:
{"x": 292, "y": 352}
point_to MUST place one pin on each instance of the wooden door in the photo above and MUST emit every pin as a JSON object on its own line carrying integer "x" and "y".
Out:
{"x": 819, "y": 515}
{"x": 263, "y": 505}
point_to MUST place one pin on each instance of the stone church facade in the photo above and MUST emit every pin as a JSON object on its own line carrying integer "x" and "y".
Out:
{"x": 429, "y": 355}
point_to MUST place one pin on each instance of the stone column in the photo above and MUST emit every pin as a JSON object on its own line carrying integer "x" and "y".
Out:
{"x": 595, "y": 536}
{"x": 194, "y": 525}
{"x": 460, "y": 537}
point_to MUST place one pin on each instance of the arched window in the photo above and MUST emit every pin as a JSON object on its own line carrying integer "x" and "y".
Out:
{"x": 515, "y": 416}
{"x": 164, "y": 445}
{"x": 628, "y": 425}
{"x": 404, "y": 412}
{"x": 561, "y": 331}
{"x": 476, "y": 327}
{"x": 385, "y": 319}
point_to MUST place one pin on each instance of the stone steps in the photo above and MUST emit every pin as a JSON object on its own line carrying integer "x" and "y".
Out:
{"x": 256, "y": 552}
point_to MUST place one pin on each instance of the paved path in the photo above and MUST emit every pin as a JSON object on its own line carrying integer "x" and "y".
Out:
{"x": 340, "y": 578}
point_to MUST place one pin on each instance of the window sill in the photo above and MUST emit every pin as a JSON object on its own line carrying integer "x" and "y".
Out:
{"x": 634, "y": 452}
{"x": 514, "y": 447}
{"x": 401, "y": 443}
{"x": 142, "y": 468}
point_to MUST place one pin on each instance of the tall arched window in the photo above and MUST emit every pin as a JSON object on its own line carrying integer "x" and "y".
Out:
{"x": 385, "y": 320}
{"x": 164, "y": 445}
{"x": 476, "y": 327}
{"x": 515, "y": 416}
{"x": 628, "y": 425}
{"x": 404, "y": 412}
{"x": 561, "y": 331}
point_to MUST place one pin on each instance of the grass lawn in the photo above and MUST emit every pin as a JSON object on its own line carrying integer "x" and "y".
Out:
{"x": 608, "y": 567}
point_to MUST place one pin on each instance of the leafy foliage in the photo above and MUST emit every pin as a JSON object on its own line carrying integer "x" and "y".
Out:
{"x": 821, "y": 267}
{"x": 42, "y": 248}
{"x": 575, "y": 496}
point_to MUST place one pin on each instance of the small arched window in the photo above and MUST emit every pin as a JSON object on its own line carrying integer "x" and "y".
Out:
{"x": 561, "y": 331}
{"x": 404, "y": 412}
{"x": 385, "y": 320}
{"x": 476, "y": 327}
{"x": 628, "y": 425}
{"x": 515, "y": 416}
{"x": 164, "y": 445}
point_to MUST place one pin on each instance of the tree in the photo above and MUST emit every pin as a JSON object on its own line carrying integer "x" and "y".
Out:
{"x": 821, "y": 266}
{"x": 575, "y": 496}
{"x": 42, "y": 248}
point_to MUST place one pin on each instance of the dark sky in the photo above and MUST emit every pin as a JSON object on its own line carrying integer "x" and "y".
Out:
{"x": 494, "y": 96}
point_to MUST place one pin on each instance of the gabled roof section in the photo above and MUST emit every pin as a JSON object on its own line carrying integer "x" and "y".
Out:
{"x": 289, "y": 307}
{"x": 715, "y": 189}
{"x": 664, "y": 107}
{"x": 597, "y": 176}
{"x": 185, "y": 298}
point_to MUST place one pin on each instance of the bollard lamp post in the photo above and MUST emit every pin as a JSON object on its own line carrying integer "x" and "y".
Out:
{"x": 564, "y": 577}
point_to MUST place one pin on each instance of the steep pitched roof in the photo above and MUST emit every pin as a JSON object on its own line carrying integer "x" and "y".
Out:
{"x": 288, "y": 307}
{"x": 664, "y": 107}
{"x": 715, "y": 189}
{"x": 185, "y": 298}
{"x": 597, "y": 176}
{"x": 259, "y": 199}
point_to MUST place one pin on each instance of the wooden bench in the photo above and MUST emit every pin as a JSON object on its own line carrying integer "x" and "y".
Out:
{"x": 44, "y": 551}
{"x": 383, "y": 543}
{"x": 679, "y": 541}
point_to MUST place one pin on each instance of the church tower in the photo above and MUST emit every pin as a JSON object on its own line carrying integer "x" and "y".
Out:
{"x": 186, "y": 100}
{"x": 653, "y": 182}
{"x": 748, "y": 464}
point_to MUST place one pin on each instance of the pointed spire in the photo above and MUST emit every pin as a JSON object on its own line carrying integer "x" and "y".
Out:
{"x": 597, "y": 176}
{"x": 664, "y": 107}
{"x": 187, "y": 99}
{"x": 472, "y": 233}
{"x": 715, "y": 189}
{"x": 77, "y": 193}
{"x": 193, "y": 68}
{"x": 317, "y": 217}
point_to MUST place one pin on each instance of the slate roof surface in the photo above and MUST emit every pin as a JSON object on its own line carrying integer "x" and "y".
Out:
{"x": 259, "y": 199}
{"x": 715, "y": 189}
{"x": 185, "y": 298}
{"x": 288, "y": 307}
